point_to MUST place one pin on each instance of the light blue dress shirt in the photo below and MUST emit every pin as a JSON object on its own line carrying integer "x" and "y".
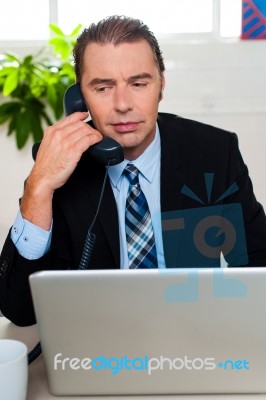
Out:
{"x": 32, "y": 242}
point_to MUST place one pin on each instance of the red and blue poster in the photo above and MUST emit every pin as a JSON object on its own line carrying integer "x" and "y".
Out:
{"x": 253, "y": 19}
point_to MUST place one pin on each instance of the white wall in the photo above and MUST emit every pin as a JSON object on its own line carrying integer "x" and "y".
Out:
{"x": 221, "y": 84}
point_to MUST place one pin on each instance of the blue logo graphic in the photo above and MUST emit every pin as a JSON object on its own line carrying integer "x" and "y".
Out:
{"x": 196, "y": 238}
{"x": 223, "y": 287}
{"x": 188, "y": 290}
{"x": 183, "y": 292}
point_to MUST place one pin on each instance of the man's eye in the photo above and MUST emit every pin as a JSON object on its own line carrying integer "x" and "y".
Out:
{"x": 139, "y": 84}
{"x": 101, "y": 89}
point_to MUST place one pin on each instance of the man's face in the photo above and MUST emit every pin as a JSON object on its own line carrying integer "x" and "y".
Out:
{"x": 122, "y": 88}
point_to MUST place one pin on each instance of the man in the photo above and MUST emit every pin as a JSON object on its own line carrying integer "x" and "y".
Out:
{"x": 120, "y": 70}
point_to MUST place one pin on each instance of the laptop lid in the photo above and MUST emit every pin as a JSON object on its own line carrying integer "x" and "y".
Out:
{"x": 152, "y": 331}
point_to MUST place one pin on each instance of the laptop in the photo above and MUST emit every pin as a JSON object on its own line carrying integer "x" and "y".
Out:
{"x": 171, "y": 331}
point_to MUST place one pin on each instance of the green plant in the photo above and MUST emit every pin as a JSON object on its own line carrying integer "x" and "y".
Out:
{"x": 35, "y": 85}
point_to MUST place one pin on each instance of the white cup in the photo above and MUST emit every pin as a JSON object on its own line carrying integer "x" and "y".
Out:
{"x": 13, "y": 370}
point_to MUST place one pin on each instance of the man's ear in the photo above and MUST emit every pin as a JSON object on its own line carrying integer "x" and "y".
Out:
{"x": 162, "y": 88}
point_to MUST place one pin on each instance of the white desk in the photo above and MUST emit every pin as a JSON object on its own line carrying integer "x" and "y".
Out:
{"x": 38, "y": 389}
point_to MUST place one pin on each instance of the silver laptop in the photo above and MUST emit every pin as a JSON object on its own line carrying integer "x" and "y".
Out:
{"x": 173, "y": 331}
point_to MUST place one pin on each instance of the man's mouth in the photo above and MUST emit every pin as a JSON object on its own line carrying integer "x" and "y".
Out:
{"x": 126, "y": 126}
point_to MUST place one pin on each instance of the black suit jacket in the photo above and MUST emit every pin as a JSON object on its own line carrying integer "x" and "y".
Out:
{"x": 188, "y": 150}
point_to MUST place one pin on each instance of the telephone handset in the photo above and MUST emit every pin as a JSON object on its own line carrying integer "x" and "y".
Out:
{"x": 108, "y": 151}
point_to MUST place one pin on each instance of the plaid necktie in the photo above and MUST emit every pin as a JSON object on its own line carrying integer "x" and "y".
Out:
{"x": 139, "y": 233}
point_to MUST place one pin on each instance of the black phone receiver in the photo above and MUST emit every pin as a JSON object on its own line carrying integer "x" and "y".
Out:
{"x": 108, "y": 151}
{"x": 73, "y": 100}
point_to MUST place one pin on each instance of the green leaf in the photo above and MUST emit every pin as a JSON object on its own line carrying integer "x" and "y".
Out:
{"x": 4, "y": 118}
{"x": 58, "y": 42}
{"x": 12, "y": 57}
{"x": 23, "y": 128}
{"x": 67, "y": 69}
{"x": 51, "y": 95}
{"x": 11, "y": 83}
{"x": 12, "y": 125}
{"x": 27, "y": 61}
{"x": 8, "y": 110}
{"x": 37, "y": 131}
{"x": 55, "y": 29}
{"x": 37, "y": 85}
{"x": 37, "y": 90}
{"x": 75, "y": 32}
{"x": 61, "y": 46}
{"x": 7, "y": 71}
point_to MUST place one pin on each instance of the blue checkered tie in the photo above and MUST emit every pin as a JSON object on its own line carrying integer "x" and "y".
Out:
{"x": 139, "y": 233}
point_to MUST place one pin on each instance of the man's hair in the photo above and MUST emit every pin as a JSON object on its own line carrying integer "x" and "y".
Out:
{"x": 115, "y": 30}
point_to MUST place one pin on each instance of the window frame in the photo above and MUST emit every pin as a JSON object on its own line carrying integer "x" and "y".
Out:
{"x": 22, "y": 46}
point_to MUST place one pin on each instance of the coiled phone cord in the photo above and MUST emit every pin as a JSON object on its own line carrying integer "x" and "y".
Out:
{"x": 84, "y": 261}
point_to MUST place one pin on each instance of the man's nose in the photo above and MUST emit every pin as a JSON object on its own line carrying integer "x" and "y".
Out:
{"x": 122, "y": 100}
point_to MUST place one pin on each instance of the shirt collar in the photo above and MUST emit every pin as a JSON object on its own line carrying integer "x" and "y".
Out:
{"x": 146, "y": 162}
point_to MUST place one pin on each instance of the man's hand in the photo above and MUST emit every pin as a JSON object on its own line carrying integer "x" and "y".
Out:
{"x": 60, "y": 151}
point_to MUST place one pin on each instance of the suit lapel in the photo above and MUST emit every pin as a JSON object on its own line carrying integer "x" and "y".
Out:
{"x": 171, "y": 162}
